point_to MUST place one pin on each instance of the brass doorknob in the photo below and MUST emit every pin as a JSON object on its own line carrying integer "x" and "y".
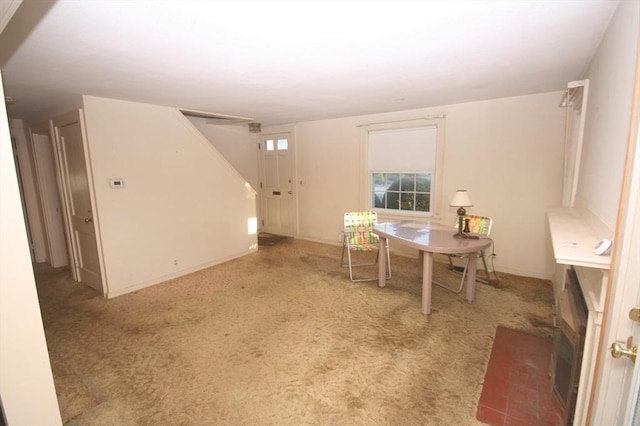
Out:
{"x": 618, "y": 351}
{"x": 88, "y": 219}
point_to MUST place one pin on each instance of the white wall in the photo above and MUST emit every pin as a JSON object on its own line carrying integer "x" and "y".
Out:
{"x": 236, "y": 144}
{"x": 611, "y": 77}
{"x": 508, "y": 153}
{"x": 183, "y": 207}
{"x": 27, "y": 391}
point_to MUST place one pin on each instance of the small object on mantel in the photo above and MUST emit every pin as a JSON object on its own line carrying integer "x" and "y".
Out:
{"x": 602, "y": 247}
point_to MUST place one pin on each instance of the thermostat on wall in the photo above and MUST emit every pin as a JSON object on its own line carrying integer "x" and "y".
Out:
{"x": 602, "y": 247}
{"x": 116, "y": 183}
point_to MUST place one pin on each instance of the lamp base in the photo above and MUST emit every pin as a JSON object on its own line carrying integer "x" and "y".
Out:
{"x": 462, "y": 235}
{"x": 461, "y": 200}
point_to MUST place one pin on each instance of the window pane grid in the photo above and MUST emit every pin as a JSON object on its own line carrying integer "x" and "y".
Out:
{"x": 402, "y": 191}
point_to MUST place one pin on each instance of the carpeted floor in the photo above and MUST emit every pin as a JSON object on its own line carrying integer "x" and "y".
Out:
{"x": 280, "y": 337}
{"x": 266, "y": 239}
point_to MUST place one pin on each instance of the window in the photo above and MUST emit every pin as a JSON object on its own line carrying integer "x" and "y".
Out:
{"x": 402, "y": 191}
{"x": 403, "y": 167}
{"x": 281, "y": 144}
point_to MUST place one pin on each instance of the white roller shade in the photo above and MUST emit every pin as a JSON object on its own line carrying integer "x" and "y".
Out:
{"x": 410, "y": 149}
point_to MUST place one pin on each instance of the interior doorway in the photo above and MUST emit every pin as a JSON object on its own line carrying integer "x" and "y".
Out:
{"x": 66, "y": 203}
{"x": 276, "y": 165}
{"x": 50, "y": 201}
{"x": 75, "y": 187}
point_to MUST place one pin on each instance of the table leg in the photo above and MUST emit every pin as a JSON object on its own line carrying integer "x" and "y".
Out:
{"x": 471, "y": 277}
{"x": 427, "y": 267}
{"x": 382, "y": 261}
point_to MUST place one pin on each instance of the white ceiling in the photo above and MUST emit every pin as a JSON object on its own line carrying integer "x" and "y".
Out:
{"x": 289, "y": 61}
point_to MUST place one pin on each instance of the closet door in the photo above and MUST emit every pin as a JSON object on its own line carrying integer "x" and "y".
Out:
{"x": 52, "y": 211}
{"x": 75, "y": 179}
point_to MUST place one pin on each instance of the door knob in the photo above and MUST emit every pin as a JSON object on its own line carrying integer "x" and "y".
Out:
{"x": 634, "y": 314}
{"x": 617, "y": 351}
{"x": 88, "y": 219}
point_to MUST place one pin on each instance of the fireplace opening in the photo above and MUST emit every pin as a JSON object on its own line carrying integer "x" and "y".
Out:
{"x": 568, "y": 346}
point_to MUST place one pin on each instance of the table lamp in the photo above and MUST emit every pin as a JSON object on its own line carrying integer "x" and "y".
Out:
{"x": 461, "y": 200}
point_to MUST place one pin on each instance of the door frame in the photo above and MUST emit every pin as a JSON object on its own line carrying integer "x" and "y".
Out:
{"x": 23, "y": 196}
{"x": 77, "y": 116}
{"x": 290, "y": 133}
{"x": 56, "y": 239}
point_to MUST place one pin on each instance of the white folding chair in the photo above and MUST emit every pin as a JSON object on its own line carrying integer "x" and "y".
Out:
{"x": 358, "y": 236}
{"x": 476, "y": 225}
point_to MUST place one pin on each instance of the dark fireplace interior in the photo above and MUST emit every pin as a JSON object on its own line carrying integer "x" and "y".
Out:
{"x": 568, "y": 346}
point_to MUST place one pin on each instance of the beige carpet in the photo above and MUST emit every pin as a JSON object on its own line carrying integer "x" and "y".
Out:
{"x": 266, "y": 239}
{"x": 279, "y": 337}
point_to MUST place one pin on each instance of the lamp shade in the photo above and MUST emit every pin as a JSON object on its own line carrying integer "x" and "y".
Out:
{"x": 461, "y": 199}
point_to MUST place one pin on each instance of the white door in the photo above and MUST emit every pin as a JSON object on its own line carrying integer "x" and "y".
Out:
{"x": 276, "y": 186}
{"x": 16, "y": 161}
{"x": 75, "y": 180}
{"x": 632, "y": 412}
{"x": 50, "y": 200}
{"x": 617, "y": 393}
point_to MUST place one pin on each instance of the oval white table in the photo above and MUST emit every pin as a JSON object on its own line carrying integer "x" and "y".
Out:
{"x": 429, "y": 238}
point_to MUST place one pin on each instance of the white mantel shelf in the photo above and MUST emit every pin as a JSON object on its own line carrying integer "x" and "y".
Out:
{"x": 574, "y": 235}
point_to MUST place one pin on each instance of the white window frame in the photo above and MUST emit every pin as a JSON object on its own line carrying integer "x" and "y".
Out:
{"x": 366, "y": 184}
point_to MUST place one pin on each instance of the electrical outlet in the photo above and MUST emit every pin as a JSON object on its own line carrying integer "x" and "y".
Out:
{"x": 175, "y": 262}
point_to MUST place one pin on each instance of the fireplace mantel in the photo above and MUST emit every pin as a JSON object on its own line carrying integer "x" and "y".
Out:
{"x": 574, "y": 235}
